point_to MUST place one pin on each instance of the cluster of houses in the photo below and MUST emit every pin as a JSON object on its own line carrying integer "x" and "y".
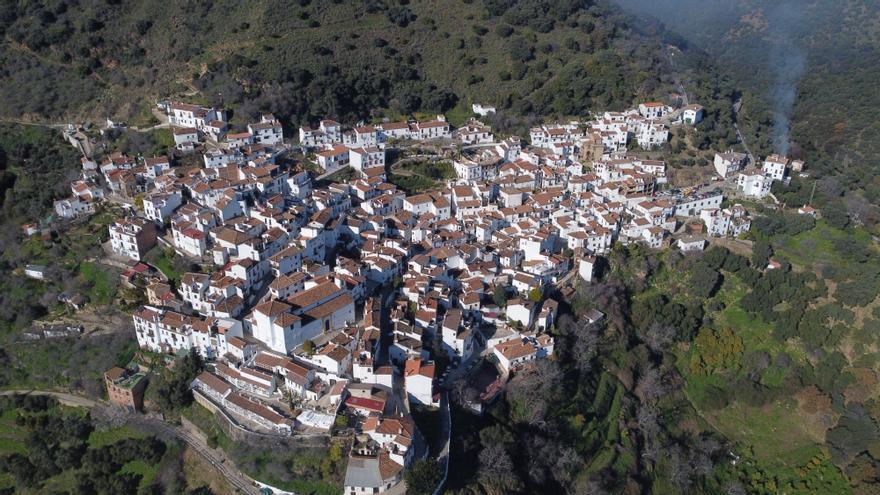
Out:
{"x": 648, "y": 125}
{"x": 319, "y": 301}
{"x": 755, "y": 182}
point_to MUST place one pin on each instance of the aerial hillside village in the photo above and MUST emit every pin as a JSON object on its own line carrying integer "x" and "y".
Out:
{"x": 320, "y": 298}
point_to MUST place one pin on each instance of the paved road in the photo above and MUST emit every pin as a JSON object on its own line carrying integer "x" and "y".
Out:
{"x": 736, "y": 106}
{"x": 216, "y": 457}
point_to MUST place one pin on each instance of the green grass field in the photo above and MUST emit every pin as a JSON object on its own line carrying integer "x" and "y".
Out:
{"x": 102, "y": 286}
{"x": 815, "y": 247}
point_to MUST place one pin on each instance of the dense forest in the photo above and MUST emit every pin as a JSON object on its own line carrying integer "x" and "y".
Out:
{"x": 307, "y": 60}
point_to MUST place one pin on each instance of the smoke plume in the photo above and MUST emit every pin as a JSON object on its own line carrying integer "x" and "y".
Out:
{"x": 787, "y": 64}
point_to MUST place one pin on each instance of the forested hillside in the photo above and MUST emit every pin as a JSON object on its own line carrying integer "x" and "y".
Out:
{"x": 306, "y": 60}
{"x": 816, "y": 61}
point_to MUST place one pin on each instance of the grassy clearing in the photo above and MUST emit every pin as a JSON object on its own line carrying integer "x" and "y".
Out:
{"x": 815, "y": 247}
{"x": 164, "y": 260}
{"x": 415, "y": 177}
{"x": 344, "y": 175}
{"x": 102, "y": 284}
{"x": 107, "y": 437}
{"x": 206, "y": 421}
{"x": 147, "y": 471}
{"x": 412, "y": 184}
{"x": 11, "y": 435}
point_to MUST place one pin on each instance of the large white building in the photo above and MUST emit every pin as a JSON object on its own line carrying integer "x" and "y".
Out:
{"x": 160, "y": 207}
{"x": 284, "y": 325}
{"x": 652, "y": 135}
{"x": 653, "y": 109}
{"x": 418, "y": 378}
{"x": 194, "y": 116}
{"x": 366, "y": 158}
{"x": 162, "y": 330}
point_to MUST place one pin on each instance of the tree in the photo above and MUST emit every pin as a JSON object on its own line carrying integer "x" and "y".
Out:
{"x": 499, "y": 296}
{"x": 535, "y": 295}
{"x": 423, "y": 476}
{"x": 835, "y": 214}
{"x": 308, "y": 347}
{"x": 704, "y": 280}
{"x": 716, "y": 350}
{"x": 761, "y": 253}
{"x": 496, "y": 474}
{"x": 173, "y": 386}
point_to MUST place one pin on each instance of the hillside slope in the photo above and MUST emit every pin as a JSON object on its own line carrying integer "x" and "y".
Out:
{"x": 313, "y": 59}
{"x": 815, "y": 61}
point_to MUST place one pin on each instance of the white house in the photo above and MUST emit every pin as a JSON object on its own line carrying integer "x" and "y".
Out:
{"x": 418, "y": 378}
{"x": 432, "y": 129}
{"x": 160, "y": 207}
{"x": 73, "y": 207}
{"x": 587, "y": 267}
{"x": 692, "y": 114}
{"x": 482, "y": 110}
{"x": 775, "y": 167}
{"x": 653, "y": 109}
{"x": 691, "y": 243}
{"x": 35, "y": 271}
{"x": 333, "y": 159}
{"x": 195, "y": 116}
{"x": 132, "y": 237}
{"x": 366, "y": 158}
{"x": 185, "y": 135}
{"x": 727, "y": 222}
{"x": 267, "y": 131}
{"x": 521, "y": 311}
{"x": 652, "y": 135}
{"x": 754, "y": 184}
{"x": 522, "y": 349}
{"x": 729, "y": 163}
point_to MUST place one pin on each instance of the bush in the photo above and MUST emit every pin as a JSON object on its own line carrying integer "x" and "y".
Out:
{"x": 423, "y": 476}
{"x": 704, "y": 280}
{"x": 504, "y": 30}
